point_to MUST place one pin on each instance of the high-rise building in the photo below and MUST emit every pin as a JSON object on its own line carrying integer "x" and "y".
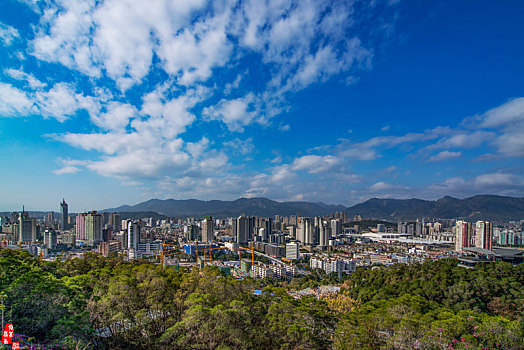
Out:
{"x": 26, "y": 227}
{"x": 50, "y": 217}
{"x": 418, "y": 228}
{"x": 50, "y": 239}
{"x": 305, "y": 233}
{"x": 483, "y": 234}
{"x": 262, "y": 233}
{"x": 292, "y": 251}
{"x": 191, "y": 232}
{"x": 462, "y": 235}
{"x": 336, "y": 228}
{"x": 234, "y": 225}
{"x": 89, "y": 228}
{"x": 292, "y": 231}
{"x": 105, "y": 218}
{"x": 266, "y": 224}
{"x": 208, "y": 232}
{"x": 65, "y": 214}
{"x": 133, "y": 235}
{"x": 251, "y": 227}
{"x": 402, "y": 227}
{"x": 124, "y": 224}
{"x": 325, "y": 233}
{"x": 242, "y": 233}
{"x": 115, "y": 221}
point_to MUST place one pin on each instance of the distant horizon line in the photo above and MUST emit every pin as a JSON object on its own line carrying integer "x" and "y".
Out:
{"x": 273, "y": 200}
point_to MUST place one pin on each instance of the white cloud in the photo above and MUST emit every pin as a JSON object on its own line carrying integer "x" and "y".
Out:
{"x": 243, "y": 147}
{"x": 444, "y": 155}
{"x": 508, "y": 113}
{"x": 151, "y": 146}
{"x": 132, "y": 183}
{"x": 315, "y": 164}
{"x": 8, "y": 34}
{"x": 194, "y": 52}
{"x": 196, "y": 149}
{"x": 87, "y": 36}
{"x": 504, "y": 180}
{"x": 509, "y": 119}
{"x": 229, "y": 87}
{"x": 234, "y": 113}
{"x": 67, "y": 170}
{"x": 61, "y": 102}
{"x": 296, "y": 43}
{"x": 285, "y": 127}
{"x": 33, "y": 4}
{"x": 495, "y": 183}
{"x": 463, "y": 139}
{"x": 391, "y": 169}
{"x": 276, "y": 160}
{"x": 63, "y": 36}
{"x": 14, "y": 102}
{"x": 19, "y": 74}
{"x": 511, "y": 143}
{"x": 383, "y": 186}
{"x": 116, "y": 117}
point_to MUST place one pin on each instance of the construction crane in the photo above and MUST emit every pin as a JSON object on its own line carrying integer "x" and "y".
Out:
{"x": 252, "y": 254}
{"x": 163, "y": 253}
{"x": 209, "y": 251}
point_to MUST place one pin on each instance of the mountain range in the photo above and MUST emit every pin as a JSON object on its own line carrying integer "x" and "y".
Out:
{"x": 481, "y": 207}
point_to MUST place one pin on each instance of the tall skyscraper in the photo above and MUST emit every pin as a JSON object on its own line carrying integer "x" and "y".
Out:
{"x": 191, "y": 232}
{"x": 50, "y": 239}
{"x": 462, "y": 235}
{"x": 325, "y": 233}
{"x": 26, "y": 227}
{"x": 133, "y": 235}
{"x": 336, "y": 228}
{"x": 89, "y": 228}
{"x": 208, "y": 232}
{"x": 418, "y": 228}
{"x": 305, "y": 233}
{"x": 50, "y": 217}
{"x": 115, "y": 221}
{"x": 266, "y": 224}
{"x": 242, "y": 233}
{"x": 483, "y": 235}
{"x": 65, "y": 214}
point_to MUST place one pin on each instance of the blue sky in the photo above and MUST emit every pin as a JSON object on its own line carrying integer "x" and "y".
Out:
{"x": 119, "y": 101}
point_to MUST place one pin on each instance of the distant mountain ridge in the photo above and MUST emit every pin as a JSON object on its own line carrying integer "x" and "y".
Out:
{"x": 218, "y": 208}
{"x": 481, "y": 207}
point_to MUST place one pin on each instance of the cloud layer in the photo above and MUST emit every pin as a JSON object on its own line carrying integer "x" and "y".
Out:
{"x": 175, "y": 94}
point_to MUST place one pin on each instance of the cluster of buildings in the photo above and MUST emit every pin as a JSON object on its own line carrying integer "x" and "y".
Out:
{"x": 479, "y": 235}
{"x": 281, "y": 243}
{"x": 333, "y": 264}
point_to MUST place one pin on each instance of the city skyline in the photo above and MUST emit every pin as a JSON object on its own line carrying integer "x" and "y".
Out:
{"x": 113, "y": 103}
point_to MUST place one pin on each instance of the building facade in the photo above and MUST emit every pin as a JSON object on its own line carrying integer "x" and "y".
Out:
{"x": 463, "y": 235}
{"x": 89, "y": 228}
{"x": 483, "y": 235}
{"x": 64, "y": 211}
{"x": 208, "y": 232}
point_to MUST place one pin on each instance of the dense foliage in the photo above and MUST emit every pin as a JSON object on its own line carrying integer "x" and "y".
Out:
{"x": 109, "y": 303}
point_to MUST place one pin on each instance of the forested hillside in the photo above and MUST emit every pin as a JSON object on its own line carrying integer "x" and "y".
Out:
{"x": 108, "y": 303}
